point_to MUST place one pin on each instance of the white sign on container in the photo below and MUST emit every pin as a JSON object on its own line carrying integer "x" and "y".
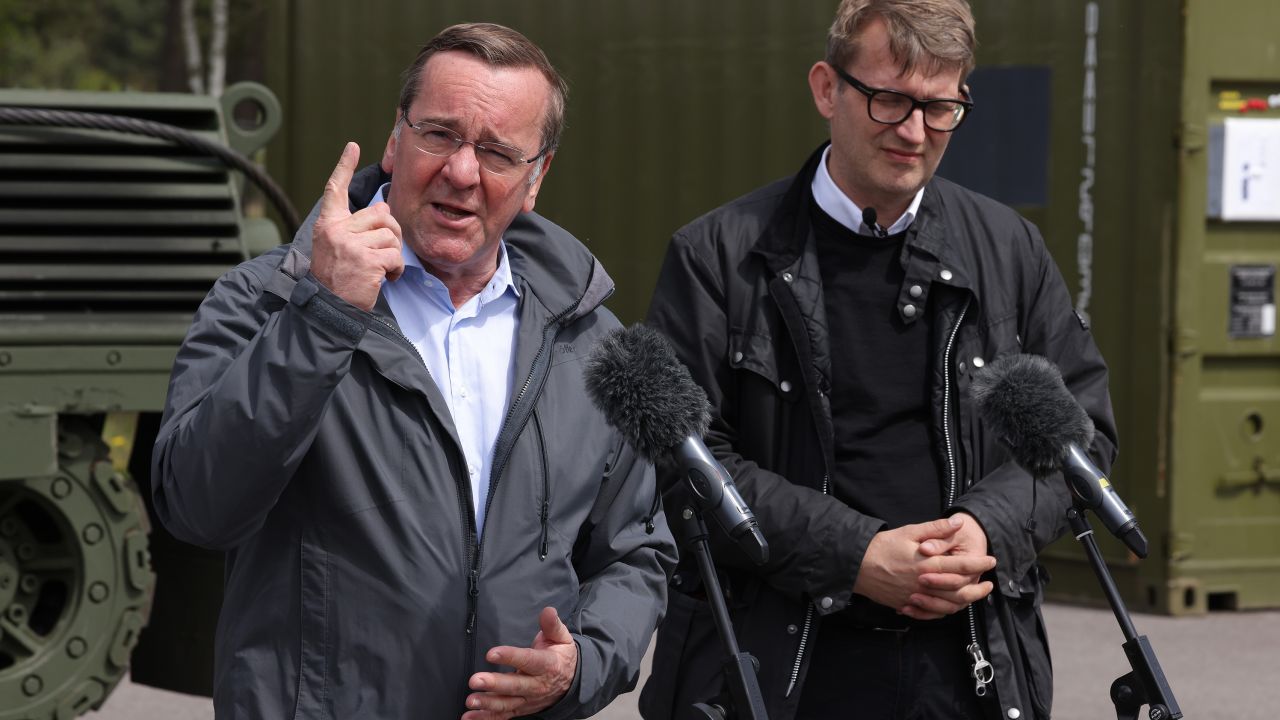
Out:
{"x": 1244, "y": 169}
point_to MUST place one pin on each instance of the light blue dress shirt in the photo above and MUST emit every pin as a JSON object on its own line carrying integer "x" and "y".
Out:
{"x": 835, "y": 203}
{"x": 469, "y": 351}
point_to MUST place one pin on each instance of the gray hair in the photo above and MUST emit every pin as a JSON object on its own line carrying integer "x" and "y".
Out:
{"x": 498, "y": 46}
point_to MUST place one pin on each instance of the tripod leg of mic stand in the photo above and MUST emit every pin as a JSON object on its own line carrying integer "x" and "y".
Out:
{"x": 1145, "y": 683}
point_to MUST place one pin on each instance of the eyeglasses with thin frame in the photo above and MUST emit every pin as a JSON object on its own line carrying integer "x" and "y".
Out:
{"x": 890, "y": 107}
{"x": 440, "y": 141}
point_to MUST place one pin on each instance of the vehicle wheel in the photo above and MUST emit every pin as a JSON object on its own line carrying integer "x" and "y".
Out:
{"x": 75, "y": 581}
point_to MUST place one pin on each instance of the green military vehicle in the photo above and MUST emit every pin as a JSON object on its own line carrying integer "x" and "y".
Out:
{"x": 109, "y": 239}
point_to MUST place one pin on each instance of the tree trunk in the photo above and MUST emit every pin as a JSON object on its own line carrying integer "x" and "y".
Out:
{"x": 191, "y": 39}
{"x": 218, "y": 49}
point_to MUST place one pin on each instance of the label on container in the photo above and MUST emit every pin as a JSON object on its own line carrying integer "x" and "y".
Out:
{"x": 1253, "y": 301}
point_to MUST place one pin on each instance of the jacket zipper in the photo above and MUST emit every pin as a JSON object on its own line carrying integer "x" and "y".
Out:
{"x": 506, "y": 437}
{"x": 468, "y": 517}
{"x": 808, "y": 620}
{"x": 982, "y": 671}
{"x": 464, "y": 509}
{"x": 501, "y": 454}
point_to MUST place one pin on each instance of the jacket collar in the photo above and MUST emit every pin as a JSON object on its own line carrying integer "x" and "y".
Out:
{"x": 785, "y": 236}
{"x": 787, "y": 232}
{"x": 554, "y": 266}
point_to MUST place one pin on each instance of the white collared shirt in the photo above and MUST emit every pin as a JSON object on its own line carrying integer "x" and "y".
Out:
{"x": 469, "y": 351}
{"x": 835, "y": 203}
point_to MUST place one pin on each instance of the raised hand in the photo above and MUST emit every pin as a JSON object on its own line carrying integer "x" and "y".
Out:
{"x": 912, "y": 562}
{"x": 543, "y": 674}
{"x": 352, "y": 253}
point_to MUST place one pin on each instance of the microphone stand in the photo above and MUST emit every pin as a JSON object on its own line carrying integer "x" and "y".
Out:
{"x": 1145, "y": 683}
{"x": 746, "y": 702}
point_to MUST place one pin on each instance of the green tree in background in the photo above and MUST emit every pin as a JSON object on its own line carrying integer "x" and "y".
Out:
{"x": 81, "y": 45}
{"x": 120, "y": 44}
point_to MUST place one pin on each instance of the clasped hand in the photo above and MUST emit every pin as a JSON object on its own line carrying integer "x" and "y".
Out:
{"x": 929, "y": 570}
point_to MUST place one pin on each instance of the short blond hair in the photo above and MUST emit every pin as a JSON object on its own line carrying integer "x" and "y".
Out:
{"x": 929, "y": 35}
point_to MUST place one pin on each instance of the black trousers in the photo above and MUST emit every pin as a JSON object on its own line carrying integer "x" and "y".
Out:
{"x": 915, "y": 671}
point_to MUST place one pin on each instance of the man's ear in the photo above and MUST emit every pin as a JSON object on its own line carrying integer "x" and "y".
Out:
{"x": 822, "y": 83}
{"x": 531, "y": 195}
{"x": 389, "y": 153}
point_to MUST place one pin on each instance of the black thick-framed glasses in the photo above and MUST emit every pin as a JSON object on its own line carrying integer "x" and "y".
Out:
{"x": 890, "y": 107}
{"x": 440, "y": 141}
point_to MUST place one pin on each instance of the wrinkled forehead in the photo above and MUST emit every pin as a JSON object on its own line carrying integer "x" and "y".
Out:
{"x": 457, "y": 71}
{"x": 464, "y": 89}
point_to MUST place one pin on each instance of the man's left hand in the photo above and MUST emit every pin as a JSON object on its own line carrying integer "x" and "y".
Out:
{"x": 543, "y": 674}
{"x": 944, "y": 594}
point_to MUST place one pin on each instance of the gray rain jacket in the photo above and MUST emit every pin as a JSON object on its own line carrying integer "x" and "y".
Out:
{"x": 740, "y": 296}
{"x": 305, "y": 438}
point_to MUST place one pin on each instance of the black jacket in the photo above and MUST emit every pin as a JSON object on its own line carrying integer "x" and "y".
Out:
{"x": 740, "y": 297}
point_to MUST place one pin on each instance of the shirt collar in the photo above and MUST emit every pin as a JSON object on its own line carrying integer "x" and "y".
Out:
{"x": 498, "y": 284}
{"x": 835, "y": 203}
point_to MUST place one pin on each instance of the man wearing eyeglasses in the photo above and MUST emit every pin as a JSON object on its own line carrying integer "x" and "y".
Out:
{"x": 384, "y": 424}
{"x": 836, "y": 319}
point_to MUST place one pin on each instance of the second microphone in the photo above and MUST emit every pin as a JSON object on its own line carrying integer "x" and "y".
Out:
{"x": 647, "y": 394}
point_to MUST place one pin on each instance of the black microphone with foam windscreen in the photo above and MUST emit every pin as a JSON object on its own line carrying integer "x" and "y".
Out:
{"x": 647, "y": 394}
{"x": 1024, "y": 401}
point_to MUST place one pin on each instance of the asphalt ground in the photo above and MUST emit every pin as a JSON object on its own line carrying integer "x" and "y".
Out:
{"x": 1219, "y": 667}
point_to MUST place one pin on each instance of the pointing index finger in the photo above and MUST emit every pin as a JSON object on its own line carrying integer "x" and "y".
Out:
{"x": 335, "y": 190}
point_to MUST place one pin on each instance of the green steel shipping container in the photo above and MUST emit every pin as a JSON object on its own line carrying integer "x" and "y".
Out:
{"x": 1178, "y": 279}
{"x": 1101, "y": 120}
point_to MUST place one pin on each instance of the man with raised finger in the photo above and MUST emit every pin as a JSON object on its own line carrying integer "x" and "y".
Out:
{"x": 384, "y": 425}
{"x": 836, "y": 318}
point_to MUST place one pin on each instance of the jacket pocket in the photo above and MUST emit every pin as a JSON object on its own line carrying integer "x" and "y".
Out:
{"x": 756, "y": 354}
